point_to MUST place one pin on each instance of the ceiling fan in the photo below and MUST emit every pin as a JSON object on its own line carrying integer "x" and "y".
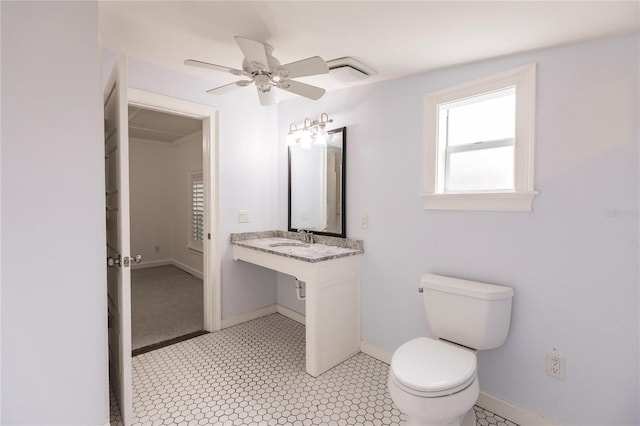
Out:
{"x": 262, "y": 69}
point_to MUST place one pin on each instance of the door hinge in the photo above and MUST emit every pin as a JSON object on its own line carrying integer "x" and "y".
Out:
{"x": 209, "y": 236}
{"x": 112, "y": 261}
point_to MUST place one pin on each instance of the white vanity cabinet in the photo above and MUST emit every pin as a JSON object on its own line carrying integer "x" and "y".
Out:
{"x": 332, "y": 278}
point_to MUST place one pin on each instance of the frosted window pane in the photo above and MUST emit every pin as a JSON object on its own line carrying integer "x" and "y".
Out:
{"x": 482, "y": 169}
{"x": 491, "y": 117}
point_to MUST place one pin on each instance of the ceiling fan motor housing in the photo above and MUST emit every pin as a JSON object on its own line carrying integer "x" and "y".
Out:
{"x": 263, "y": 82}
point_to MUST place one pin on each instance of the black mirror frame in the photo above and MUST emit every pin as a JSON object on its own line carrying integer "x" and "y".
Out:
{"x": 343, "y": 189}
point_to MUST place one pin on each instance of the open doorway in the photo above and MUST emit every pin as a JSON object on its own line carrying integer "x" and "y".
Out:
{"x": 167, "y": 227}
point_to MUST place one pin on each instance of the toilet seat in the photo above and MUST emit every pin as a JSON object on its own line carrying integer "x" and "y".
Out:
{"x": 431, "y": 368}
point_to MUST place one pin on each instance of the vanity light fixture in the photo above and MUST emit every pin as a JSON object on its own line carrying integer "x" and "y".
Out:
{"x": 313, "y": 133}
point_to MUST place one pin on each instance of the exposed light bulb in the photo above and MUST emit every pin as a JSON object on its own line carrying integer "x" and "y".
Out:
{"x": 321, "y": 139}
{"x": 292, "y": 138}
{"x": 305, "y": 139}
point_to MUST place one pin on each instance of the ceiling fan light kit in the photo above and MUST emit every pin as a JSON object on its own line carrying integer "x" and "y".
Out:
{"x": 266, "y": 72}
{"x": 313, "y": 133}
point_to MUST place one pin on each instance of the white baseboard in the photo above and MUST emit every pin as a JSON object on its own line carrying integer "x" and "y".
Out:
{"x": 258, "y": 313}
{"x": 188, "y": 269}
{"x": 152, "y": 264}
{"x": 291, "y": 314}
{"x": 248, "y": 316}
{"x": 512, "y": 412}
{"x": 165, "y": 262}
{"x": 496, "y": 405}
{"x": 375, "y": 352}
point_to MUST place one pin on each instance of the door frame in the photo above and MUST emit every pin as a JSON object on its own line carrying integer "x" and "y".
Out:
{"x": 210, "y": 246}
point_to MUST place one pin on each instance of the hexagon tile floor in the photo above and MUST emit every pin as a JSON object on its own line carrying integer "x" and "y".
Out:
{"x": 253, "y": 374}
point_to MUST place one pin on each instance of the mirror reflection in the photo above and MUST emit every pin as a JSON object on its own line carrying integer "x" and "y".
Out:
{"x": 317, "y": 186}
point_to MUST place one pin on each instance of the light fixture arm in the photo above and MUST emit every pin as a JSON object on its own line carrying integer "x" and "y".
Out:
{"x": 314, "y": 129}
{"x": 324, "y": 119}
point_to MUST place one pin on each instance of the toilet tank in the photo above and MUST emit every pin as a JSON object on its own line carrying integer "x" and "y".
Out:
{"x": 470, "y": 313}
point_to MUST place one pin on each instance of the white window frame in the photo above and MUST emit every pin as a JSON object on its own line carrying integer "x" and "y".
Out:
{"x": 194, "y": 244}
{"x": 521, "y": 197}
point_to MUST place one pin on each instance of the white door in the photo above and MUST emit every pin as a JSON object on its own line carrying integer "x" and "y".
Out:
{"x": 118, "y": 250}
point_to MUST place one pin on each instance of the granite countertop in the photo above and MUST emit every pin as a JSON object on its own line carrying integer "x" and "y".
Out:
{"x": 289, "y": 244}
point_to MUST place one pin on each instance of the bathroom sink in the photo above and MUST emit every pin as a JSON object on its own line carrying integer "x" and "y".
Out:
{"x": 297, "y": 249}
{"x": 288, "y": 245}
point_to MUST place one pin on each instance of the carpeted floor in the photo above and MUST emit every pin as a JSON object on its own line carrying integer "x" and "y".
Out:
{"x": 166, "y": 302}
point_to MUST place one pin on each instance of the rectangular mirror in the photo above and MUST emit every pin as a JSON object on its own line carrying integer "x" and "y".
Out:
{"x": 317, "y": 186}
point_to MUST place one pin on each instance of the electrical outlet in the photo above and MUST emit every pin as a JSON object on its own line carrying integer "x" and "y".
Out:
{"x": 157, "y": 249}
{"x": 243, "y": 216}
{"x": 364, "y": 221}
{"x": 555, "y": 365}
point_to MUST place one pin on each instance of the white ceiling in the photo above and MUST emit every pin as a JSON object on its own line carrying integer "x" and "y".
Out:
{"x": 396, "y": 38}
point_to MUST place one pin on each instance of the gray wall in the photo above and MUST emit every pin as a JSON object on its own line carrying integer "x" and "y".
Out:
{"x": 54, "y": 326}
{"x": 160, "y": 197}
{"x": 153, "y": 199}
{"x": 573, "y": 261}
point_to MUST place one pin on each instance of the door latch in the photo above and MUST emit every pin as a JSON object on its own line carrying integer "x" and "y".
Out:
{"x": 131, "y": 260}
{"x": 125, "y": 262}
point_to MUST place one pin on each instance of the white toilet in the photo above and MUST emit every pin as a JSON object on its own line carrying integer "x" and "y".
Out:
{"x": 434, "y": 381}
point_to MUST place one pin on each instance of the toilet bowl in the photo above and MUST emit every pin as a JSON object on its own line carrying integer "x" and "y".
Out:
{"x": 434, "y": 383}
{"x": 434, "y": 380}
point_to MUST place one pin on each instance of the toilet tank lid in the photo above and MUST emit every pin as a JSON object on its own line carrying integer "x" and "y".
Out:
{"x": 468, "y": 288}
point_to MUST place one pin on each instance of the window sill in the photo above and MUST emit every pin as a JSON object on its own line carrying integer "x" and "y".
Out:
{"x": 495, "y": 201}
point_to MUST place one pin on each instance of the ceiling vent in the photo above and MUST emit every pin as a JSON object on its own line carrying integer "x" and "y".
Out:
{"x": 349, "y": 69}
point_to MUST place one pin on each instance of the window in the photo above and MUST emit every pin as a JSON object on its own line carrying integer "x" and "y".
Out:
{"x": 196, "y": 236}
{"x": 479, "y": 144}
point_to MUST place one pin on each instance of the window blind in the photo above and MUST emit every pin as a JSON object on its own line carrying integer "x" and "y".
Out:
{"x": 197, "y": 208}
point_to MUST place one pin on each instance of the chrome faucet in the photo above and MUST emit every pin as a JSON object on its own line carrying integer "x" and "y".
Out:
{"x": 307, "y": 237}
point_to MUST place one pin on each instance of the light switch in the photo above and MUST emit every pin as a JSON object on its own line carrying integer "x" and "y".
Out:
{"x": 243, "y": 216}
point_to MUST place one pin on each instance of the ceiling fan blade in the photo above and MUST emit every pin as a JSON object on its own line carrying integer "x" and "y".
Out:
{"x": 310, "y": 66}
{"x": 228, "y": 87}
{"x": 268, "y": 98}
{"x": 254, "y": 53}
{"x": 302, "y": 89}
{"x": 206, "y": 65}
